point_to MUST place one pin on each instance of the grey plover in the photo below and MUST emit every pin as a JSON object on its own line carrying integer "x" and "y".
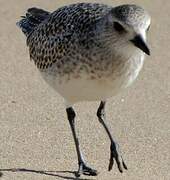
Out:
{"x": 88, "y": 52}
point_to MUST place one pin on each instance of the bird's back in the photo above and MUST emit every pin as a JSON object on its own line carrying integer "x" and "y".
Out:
{"x": 61, "y": 30}
{"x": 77, "y": 18}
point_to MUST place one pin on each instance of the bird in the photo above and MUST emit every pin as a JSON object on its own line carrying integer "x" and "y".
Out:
{"x": 88, "y": 52}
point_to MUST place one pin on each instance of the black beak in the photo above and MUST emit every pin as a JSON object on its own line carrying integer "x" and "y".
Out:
{"x": 140, "y": 43}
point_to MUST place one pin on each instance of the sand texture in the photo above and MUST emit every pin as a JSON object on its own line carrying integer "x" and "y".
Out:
{"x": 35, "y": 138}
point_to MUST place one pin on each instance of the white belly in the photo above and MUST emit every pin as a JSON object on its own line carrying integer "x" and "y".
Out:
{"x": 86, "y": 89}
{"x": 80, "y": 89}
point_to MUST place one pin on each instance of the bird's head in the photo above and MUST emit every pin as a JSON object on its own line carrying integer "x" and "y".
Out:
{"x": 127, "y": 28}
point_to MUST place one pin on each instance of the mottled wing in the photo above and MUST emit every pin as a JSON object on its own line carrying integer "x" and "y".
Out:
{"x": 55, "y": 37}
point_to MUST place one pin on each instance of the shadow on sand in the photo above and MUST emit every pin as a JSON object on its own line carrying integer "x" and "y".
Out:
{"x": 60, "y": 174}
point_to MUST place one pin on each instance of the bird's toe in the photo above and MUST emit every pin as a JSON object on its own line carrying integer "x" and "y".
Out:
{"x": 115, "y": 155}
{"x": 84, "y": 169}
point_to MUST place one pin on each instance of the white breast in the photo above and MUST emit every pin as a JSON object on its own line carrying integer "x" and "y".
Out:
{"x": 133, "y": 67}
{"x": 86, "y": 89}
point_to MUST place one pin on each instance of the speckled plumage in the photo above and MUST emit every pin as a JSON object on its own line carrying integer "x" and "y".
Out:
{"x": 63, "y": 33}
{"x": 78, "y": 42}
{"x": 88, "y": 52}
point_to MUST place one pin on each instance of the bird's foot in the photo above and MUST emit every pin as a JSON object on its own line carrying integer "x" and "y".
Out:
{"x": 84, "y": 169}
{"x": 115, "y": 154}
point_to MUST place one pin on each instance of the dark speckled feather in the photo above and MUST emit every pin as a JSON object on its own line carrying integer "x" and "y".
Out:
{"x": 53, "y": 38}
{"x": 32, "y": 19}
{"x": 78, "y": 36}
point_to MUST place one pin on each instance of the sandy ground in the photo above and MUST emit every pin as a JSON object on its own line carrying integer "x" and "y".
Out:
{"x": 35, "y": 139}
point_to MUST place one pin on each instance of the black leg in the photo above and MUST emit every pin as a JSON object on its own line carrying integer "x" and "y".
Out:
{"x": 83, "y": 168}
{"x": 114, "y": 149}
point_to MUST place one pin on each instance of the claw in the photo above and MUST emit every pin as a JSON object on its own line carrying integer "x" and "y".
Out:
{"x": 83, "y": 169}
{"x": 124, "y": 165}
{"x": 114, "y": 154}
{"x": 111, "y": 160}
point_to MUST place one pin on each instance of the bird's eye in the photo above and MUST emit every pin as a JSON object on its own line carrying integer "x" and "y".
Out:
{"x": 118, "y": 27}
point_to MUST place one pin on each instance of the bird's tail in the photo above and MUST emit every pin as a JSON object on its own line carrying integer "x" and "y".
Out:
{"x": 32, "y": 19}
